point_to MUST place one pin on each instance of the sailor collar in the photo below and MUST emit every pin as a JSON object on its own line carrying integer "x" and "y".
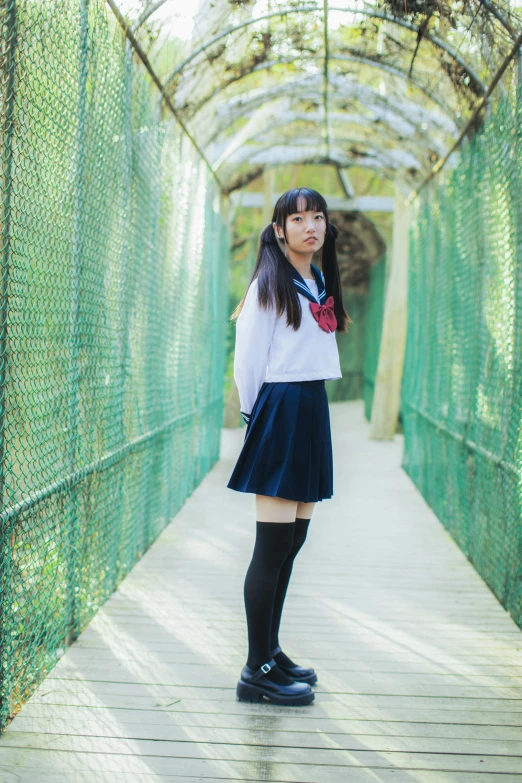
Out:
{"x": 303, "y": 289}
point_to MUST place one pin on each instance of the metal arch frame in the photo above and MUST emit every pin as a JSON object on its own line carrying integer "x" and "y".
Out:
{"x": 394, "y": 71}
{"x": 336, "y": 139}
{"x": 434, "y": 39}
{"x": 392, "y": 175}
{"x": 497, "y": 13}
{"x": 439, "y": 122}
{"x": 516, "y": 51}
{"x": 385, "y": 155}
{"x": 146, "y": 14}
{"x": 353, "y": 57}
{"x": 395, "y": 178}
{"x": 238, "y": 105}
{"x": 492, "y": 9}
{"x": 372, "y": 160}
{"x": 382, "y": 157}
{"x": 387, "y": 131}
{"x": 263, "y": 96}
{"x": 390, "y": 134}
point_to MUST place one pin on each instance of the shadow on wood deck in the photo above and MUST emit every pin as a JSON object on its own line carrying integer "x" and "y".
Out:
{"x": 419, "y": 666}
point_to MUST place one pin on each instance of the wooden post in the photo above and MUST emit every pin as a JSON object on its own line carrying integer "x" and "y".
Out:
{"x": 386, "y": 397}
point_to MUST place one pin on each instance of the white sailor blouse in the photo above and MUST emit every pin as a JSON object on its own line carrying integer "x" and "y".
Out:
{"x": 267, "y": 349}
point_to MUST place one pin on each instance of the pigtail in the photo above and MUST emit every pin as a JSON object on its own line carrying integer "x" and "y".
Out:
{"x": 332, "y": 277}
{"x": 276, "y": 286}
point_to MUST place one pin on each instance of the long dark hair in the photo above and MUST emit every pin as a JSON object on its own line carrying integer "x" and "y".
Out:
{"x": 275, "y": 272}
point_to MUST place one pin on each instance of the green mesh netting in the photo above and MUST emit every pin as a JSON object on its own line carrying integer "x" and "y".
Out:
{"x": 351, "y": 351}
{"x": 112, "y": 329}
{"x": 372, "y": 331}
{"x": 462, "y": 384}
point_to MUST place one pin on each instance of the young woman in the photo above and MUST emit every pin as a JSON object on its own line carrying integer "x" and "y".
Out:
{"x": 285, "y": 350}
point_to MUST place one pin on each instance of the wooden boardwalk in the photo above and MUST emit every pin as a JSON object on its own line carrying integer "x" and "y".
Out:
{"x": 419, "y": 666}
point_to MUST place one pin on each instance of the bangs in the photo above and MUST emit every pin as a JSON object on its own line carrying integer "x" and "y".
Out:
{"x": 287, "y": 203}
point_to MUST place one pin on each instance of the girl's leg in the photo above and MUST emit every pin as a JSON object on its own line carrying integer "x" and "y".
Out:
{"x": 305, "y": 510}
{"x": 270, "y": 509}
{"x": 303, "y": 515}
{"x": 274, "y": 539}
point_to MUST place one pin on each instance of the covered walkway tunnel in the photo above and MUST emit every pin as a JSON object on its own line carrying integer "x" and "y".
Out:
{"x": 143, "y": 144}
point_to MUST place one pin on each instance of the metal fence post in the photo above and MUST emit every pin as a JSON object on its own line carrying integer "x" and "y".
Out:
{"x": 8, "y": 43}
{"x": 76, "y": 271}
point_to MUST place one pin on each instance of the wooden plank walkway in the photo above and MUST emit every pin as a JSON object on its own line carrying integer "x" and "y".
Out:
{"x": 419, "y": 666}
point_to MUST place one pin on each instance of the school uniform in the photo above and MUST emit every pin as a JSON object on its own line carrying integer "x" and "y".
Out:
{"x": 280, "y": 375}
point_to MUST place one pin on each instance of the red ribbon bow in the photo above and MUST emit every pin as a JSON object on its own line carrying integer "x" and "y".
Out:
{"x": 324, "y": 314}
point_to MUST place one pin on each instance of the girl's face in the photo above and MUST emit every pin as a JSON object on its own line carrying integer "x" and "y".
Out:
{"x": 305, "y": 230}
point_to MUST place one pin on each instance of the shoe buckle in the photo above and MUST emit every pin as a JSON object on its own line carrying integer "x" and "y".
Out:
{"x": 265, "y": 668}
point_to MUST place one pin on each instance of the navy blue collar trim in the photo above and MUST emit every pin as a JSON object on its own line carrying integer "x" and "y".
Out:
{"x": 303, "y": 289}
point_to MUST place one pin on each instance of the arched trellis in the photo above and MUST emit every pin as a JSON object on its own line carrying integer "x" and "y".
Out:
{"x": 465, "y": 68}
{"x": 242, "y": 178}
{"x": 370, "y": 99}
{"x": 237, "y": 107}
{"x": 354, "y": 56}
{"x": 475, "y": 83}
{"x": 475, "y": 80}
{"x": 292, "y": 152}
{"x": 493, "y": 10}
{"x": 286, "y": 120}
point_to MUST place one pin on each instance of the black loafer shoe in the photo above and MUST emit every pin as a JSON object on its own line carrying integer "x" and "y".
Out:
{"x": 297, "y": 673}
{"x": 254, "y": 686}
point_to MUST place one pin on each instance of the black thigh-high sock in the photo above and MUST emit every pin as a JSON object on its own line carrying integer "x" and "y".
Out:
{"x": 273, "y": 543}
{"x": 300, "y": 531}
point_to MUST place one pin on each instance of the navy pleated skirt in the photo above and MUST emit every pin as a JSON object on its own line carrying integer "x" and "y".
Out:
{"x": 287, "y": 451}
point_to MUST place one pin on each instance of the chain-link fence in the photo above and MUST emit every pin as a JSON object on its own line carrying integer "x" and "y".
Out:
{"x": 351, "y": 345}
{"x": 113, "y": 315}
{"x": 462, "y": 384}
{"x": 372, "y": 331}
